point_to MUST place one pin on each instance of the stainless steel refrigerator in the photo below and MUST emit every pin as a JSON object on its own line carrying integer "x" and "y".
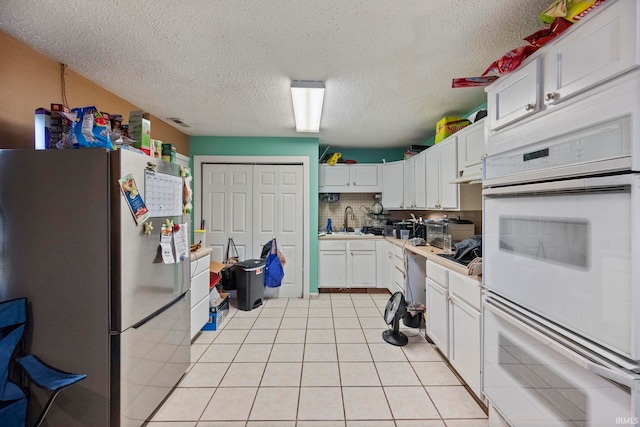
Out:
{"x": 101, "y": 300}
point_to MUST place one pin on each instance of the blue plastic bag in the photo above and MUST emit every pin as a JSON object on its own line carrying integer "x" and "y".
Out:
{"x": 273, "y": 269}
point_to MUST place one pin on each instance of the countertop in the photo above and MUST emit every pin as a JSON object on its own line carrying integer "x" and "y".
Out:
{"x": 202, "y": 252}
{"x": 431, "y": 253}
{"x": 428, "y": 252}
{"x": 338, "y": 236}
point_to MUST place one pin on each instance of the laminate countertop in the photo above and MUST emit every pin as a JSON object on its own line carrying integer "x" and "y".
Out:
{"x": 202, "y": 252}
{"x": 431, "y": 253}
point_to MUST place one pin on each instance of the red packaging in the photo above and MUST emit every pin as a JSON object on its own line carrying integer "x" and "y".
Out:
{"x": 472, "y": 81}
{"x": 541, "y": 37}
{"x": 510, "y": 61}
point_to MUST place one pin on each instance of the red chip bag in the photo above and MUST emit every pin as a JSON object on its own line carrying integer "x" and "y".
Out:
{"x": 510, "y": 61}
{"x": 547, "y": 34}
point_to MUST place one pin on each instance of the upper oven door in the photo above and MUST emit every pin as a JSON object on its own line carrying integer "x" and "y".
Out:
{"x": 563, "y": 250}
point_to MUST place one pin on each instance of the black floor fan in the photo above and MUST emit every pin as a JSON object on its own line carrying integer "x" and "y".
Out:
{"x": 394, "y": 311}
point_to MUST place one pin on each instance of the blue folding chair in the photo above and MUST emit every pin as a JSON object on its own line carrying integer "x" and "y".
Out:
{"x": 46, "y": 377}
{"x": 13, "y": 400}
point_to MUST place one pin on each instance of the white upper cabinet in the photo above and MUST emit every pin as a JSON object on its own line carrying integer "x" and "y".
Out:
{"x": 420, "y": 179}
{"x": 393, "y": 184}
{"x": 602, "y": 46}
{"x": 516, "y": 96}
{"x": 470, "y": 152}
{"x": 336, "y": 175}
{"x": 442, "y": 169}
{"x": 448, "y": 173}
{"x": 408, "y": 190}
{"x": 593, "y": 51}
{"x": 366, "y": 178}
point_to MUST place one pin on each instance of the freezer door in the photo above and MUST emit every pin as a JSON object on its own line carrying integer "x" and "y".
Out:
{"x": 151, "y": 358}
{"x": 142, "y": 284}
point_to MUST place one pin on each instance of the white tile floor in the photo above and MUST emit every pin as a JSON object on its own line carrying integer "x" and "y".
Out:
{"x": 316, "y": 363}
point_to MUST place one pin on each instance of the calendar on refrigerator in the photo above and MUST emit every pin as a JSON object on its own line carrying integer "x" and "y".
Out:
{"x": 163, "y": 194}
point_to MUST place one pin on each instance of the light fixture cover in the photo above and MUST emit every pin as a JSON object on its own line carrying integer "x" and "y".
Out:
{"x": 307, "y": 96}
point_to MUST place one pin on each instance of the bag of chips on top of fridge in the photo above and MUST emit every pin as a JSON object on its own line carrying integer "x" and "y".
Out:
{"x": 90, "y": 129}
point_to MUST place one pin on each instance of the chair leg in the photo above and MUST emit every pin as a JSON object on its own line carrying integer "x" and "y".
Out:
{"x": 47, "y": 407}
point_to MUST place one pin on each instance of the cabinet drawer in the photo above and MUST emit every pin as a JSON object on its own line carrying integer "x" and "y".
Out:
{"x": 398, "y": 263}
{"x": 437, "y": 273}
{"x": 200, "y": 265}
{"x": 398, "y": 278}
{"x": 362, "y": 245}
{"x": 465, "y": 288}
{"x": 199, "y": 287}
{"x": 333, "y": 245}
{"x": 397, "y": 251}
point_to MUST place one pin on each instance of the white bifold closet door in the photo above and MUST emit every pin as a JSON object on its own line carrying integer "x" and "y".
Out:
{"x": 252, "y": 204}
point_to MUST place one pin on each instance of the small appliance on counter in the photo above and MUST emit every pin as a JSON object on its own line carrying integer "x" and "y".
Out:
{"x": 458, "y": 229}
{"x": 403, "y": 225}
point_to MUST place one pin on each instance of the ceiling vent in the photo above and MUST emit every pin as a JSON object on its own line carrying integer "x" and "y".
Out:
{"x": 178, "y": 122}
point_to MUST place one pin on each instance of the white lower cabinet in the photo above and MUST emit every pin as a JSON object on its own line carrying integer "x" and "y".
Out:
{"x": 199, "y": 293}
{"x": 398, "y": 272}
{"x": 347, "y": 263}
{"x": 332, "y": 263}
{"x": 361, "y": 261}
{"x": 454, "y": 321}
{"x": 438, "y": 306}
{"x": 465, "y": 329}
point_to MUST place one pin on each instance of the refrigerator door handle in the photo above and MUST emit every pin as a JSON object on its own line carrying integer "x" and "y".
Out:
{"x": 155, "y": 313}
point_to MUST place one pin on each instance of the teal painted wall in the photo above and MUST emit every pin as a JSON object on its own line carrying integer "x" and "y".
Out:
{"x": 263, "y": 146}
{"x": 366, "y": 155}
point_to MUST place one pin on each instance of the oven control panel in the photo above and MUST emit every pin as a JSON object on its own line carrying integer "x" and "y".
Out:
{"x": 591, "y": 145}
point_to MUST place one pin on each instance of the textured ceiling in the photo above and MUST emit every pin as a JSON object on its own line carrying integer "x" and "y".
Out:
{"x": 224, "y": 67}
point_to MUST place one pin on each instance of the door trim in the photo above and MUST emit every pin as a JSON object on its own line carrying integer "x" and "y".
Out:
{"x": 199, "y": 161}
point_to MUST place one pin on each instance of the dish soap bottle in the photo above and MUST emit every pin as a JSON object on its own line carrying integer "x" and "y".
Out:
{"x": 329, "y": 229}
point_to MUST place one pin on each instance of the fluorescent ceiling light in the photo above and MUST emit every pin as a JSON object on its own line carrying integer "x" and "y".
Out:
{"x": 307, "y": 96}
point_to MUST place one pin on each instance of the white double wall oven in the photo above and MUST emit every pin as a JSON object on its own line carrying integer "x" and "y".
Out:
{"x": 561, "y": 344}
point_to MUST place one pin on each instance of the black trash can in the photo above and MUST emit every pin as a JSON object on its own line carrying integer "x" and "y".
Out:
{"x": 249, "y": 277}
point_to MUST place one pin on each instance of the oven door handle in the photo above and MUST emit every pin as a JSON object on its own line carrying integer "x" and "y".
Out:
{"x": 611, "y": 375}
{"x": 558, "y": 345}
{"x": 580, "y": 184}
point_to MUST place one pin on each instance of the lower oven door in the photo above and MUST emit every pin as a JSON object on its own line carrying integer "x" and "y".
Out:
{"x": 564, "y": 249}
{"x": 536, "y": 381}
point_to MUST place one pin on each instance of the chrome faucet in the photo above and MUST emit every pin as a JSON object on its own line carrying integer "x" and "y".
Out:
{"x": 346, "y": 218}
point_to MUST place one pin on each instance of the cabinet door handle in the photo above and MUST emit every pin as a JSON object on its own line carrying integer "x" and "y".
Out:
{"x": 529, "y": 107}
{"x": 551, "y": 96}
{"x": 348, "y": 183}
{"x": 354, "y": 183}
